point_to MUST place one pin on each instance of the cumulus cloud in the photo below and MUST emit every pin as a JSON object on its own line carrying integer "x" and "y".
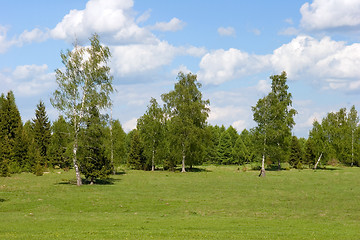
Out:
{"x": 226, "y": 31}
{"x": 28, "y": 80}
{"x": 223, "y": 65}
{"x": 130, "y": 125}
{"x": 112, "y": 19}
{"x": 334, "y": 64}
{"x": 182, "y": 68}
{"x": 4, "y": 42}
{"x": 328, "y": 15}
{"x": 174, "y": 25}
{"x": 139, "y": 58}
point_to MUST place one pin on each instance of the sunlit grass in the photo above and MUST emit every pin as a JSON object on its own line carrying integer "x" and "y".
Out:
{"x": 216, "y": 203}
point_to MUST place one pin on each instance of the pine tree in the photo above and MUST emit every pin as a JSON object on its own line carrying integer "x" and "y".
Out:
{"x": 93, "y": 160}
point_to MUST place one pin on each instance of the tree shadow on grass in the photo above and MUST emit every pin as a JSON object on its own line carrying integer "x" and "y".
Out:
{"x": 2, "y": 200}
{"x": 193, "y": 169}
{"x": 107, "y": 181}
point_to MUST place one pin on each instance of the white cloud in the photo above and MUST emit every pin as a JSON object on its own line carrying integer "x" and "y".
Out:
{"x": 130, "y": 125}
{"x": 289, "y": 21}
{"x": 226, "y": 31}
{"x": 327, "y": 15}
{"x": 256, "y": 31}
{"x": 223, "y": 65}
{"x": 263, "y": 86}
{"x": 174, "y": 25}
{"x": 291, "y": 31}
{"x": 333, "y": 64}
{"x": 139, "y": 58}
{"x": 28, "y": 80}
{"x": 35, "y": 35}
{"x": 181, "y": 68}
{"x": 112, "y": 19}
{"x": 240, "y": 125}
{"x": 144, "y": 17}
{"x": 4, "y": 42}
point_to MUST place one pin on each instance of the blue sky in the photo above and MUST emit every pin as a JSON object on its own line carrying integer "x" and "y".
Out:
{"x": 233, "y": 46}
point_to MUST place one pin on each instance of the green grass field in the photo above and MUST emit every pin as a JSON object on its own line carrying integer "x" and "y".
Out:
{"x": 215, "y": 203}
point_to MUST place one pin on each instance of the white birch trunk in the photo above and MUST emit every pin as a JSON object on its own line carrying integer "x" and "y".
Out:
{"x": 183, "y": 159}
{"x": 112, "y": 145}
{"x": 318, "y": 161}
{"x": 76, "y": 166}
{"x": 262, "y": 171}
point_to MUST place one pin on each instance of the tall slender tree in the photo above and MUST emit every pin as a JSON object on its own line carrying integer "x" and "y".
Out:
{"x": 275, "y": 118}
{"x": 188, "y": 113}
{"x": 151, "y": 128}
{"x": 42, "y": 135}
{"x": 86, "y": 82}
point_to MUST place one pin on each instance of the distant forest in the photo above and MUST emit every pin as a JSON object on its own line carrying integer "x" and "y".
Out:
{"x": 169, "y": 137}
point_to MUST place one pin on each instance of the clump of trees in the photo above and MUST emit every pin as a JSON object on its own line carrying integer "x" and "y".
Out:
{"x": 176, "y": 134}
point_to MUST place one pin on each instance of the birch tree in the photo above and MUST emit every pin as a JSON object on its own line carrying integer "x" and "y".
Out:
{"x": 151, "y": 128}
{"x": 275, "y": 118}
{"x": 84, "y": 82}
{"x": 188, "y": 113}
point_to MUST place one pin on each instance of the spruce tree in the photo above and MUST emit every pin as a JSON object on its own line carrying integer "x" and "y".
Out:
{"x": 225, "y": 149}
{"x": 295, "y": 157}
{"x": 240, "y": 152}
{"x": 60, "y": 144}
{"x": 137, "y": 159}
{"x": 11, "y": 130}
{"x": 42, "y": 136}
{"x": 92, "y": 157}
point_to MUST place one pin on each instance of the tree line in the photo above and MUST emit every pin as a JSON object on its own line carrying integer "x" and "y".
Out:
{"x": 166, "y": 137}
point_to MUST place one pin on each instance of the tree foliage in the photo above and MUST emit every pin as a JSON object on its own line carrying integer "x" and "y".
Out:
{"x": 275, "y": 120}
{"x": 188, "y": 113}
{"x": 85, "y": 83}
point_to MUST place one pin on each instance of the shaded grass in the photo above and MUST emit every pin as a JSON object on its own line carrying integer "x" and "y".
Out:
{"x": 216, "y": 202}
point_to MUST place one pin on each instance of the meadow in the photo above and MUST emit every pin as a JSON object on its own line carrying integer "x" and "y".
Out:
{"x": 214, "y": 202}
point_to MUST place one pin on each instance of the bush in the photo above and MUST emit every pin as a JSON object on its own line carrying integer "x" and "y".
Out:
{"x": 255, "y": 166}
{"x": 285, "y": 166}
{"x": 333, "y": 162}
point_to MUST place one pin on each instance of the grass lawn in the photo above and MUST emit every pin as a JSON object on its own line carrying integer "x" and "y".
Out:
{"x": 216, "y": 203}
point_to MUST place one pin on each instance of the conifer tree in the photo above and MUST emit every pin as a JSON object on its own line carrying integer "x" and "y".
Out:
{"x": 137, "y": 159}
{"x": 60, "y": 144}
{"x": 42, "y": 136}
{"x": 225, "y": 149}
{"x": 93, "y": 160}
{"x": 240, "y": 152}
{"x": 295, "y": 157}
{"x": 11, "y": 130}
